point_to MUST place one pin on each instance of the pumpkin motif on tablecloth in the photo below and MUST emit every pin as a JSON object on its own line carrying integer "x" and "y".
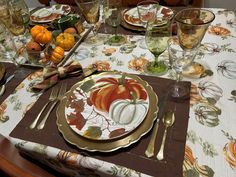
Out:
{"x": 210, "y": 90}
{"x": 227, "y": 68}
{"x": 207, "y": 114}
{"x": 230, "y": 153}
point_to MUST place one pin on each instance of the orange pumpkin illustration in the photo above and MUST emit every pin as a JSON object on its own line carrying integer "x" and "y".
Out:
{"x": 114, "y": 89}
{"x": 230, "y": 153}
{"x": 189, "y": 160}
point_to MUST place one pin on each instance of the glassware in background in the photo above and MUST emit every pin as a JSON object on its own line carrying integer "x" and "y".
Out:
{"x": 112, "y": 13}
{"x": 11, "y": 18}
{"x": 147, "y": 10}
{"x": 156, "y": 40}
{"x": 192, "y": 24}
{"x": 20, "y": 5}
{"x": 180, "y": 59}
{"x": 90, "y": 12}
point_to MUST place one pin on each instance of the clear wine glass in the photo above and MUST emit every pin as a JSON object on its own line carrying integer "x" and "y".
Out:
{"x": 192, "y": 24}
{"x": 156, "y": 40}
{"x": 11, "y": 18}
{"x": 180, "y": 59}
{"x": 20, "y": 5}
{"x": 90, "y": 12}
{"x": 112, "y": 13}
{"x": 147, "y": 10}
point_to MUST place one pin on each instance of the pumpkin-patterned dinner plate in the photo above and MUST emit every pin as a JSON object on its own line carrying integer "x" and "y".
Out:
{"x": 112, "y": 144}
{"x": 131, "y": 16}
{"x": 48, "y": 14}
{"x": 106, "y": 106}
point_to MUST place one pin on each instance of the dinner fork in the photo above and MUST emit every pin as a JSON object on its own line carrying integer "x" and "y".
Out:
{"x": 52, "y": 97}
{"x": 59, "y": 97}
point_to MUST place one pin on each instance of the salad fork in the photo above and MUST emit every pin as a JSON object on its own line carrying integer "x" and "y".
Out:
{"x": 52, "y": 97}
{"x": 59, "y": 97}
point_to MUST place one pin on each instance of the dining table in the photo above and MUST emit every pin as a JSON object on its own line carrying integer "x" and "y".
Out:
{"x": 201, "y": 142}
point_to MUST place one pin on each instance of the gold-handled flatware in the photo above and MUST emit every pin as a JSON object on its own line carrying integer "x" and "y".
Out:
{"x": 59, "y": 97}
{"x": 52, "y": 97}
{"x": 150, "y": 149}
{"x": 168, "y": 120}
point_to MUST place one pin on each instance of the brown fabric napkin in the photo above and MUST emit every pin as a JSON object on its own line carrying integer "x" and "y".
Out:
{"x": 133, "y": 156}
{"x": 52, "y": 74}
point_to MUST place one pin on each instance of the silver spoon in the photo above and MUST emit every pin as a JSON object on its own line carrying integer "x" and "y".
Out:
{"x": 2, "y": 87}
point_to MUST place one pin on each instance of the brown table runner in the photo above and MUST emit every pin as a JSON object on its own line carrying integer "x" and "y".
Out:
{"x": 133, "y": 156}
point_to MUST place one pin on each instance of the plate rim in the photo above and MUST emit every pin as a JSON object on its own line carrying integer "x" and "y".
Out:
{"x": 108, "y": 145}
{"x": 46, "y": 21}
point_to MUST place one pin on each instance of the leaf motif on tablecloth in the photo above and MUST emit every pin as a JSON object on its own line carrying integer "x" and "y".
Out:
{"x": 233, "y": 96}
{"x": 93, "y": 132}
{"x": 207, "y": 148}
{"x": 100, "y": 65}
{"x": 138, "y": 63}
{"x": 109, "y": 51}
{"x": 219, "y": 31}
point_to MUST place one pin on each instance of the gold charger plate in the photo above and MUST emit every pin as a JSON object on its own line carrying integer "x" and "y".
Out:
{"x": 2, "y": 71}
{"x": 113, "y": 144}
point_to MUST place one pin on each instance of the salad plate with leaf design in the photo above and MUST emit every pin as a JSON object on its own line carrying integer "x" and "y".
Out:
{"x": 106, "y": 106}
{"x": 131, "y": 16}
{"x": 106, "y": 124}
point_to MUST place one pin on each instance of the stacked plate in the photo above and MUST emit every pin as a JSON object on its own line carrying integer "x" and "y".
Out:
{"x": 107, "y": 111}
{"x": 131, "y": 18}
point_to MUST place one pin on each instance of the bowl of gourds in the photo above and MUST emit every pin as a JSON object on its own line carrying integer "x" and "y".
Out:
{"x": 49, "y": 47}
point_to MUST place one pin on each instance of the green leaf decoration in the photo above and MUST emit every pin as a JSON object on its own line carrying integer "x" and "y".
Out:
{"x": 93, "y": 132}
{"x": 207, "y": 73}
{"x": 192, "y": 173}
{"x": 86, "y": 86}
{"x": 205, "y": 171}
{"x": 117, "y": 132}
{"x": 233, "y": 92}
{"x": 211, "y": 100}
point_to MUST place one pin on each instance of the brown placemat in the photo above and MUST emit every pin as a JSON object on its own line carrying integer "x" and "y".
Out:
{"x": 133, "y": 156}
{"x": 20, "y": 74}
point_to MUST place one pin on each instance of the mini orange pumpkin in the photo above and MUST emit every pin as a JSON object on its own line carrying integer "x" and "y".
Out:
{"x": 33, "y": 46}
{"x": 70, "y": 30}
{"x": 57, "y": 54}
{"x": 65, "y": 40}
{"x": 40, "y": 34}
